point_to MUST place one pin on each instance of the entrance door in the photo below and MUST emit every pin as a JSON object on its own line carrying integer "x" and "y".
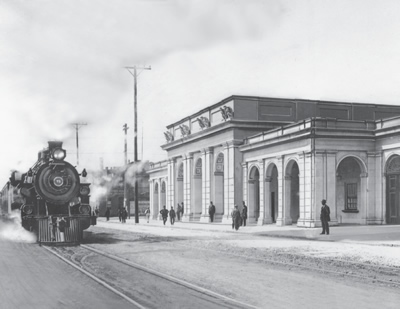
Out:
{"x": 393, "y": 199}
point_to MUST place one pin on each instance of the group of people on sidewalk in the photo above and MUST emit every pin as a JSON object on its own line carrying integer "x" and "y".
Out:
{"x": 238, "y": 218}
{"x": 172, "y": 214}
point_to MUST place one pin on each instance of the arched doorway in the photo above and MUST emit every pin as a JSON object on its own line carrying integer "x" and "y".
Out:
{"x": 156, "y": 206}
{"x": 292, "y": 188}
{"x": 197, "y": 187}
{"x": 179, "y": 185}
{"x": 393, "y": 190}
{"x": 254, "y": 193}
{"x": 219, "y": 184}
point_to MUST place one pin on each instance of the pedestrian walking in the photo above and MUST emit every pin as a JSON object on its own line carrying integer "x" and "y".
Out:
{"x": 108, "y": 214}
{"x": 164, "y": 214}
{"x": 124, "y": 215}
{"x": 178, "y": 212}
{"x": 325, "y": 217}
{"x": 172, "y": 215}
{"x": 183, "y": 209}
{"x": 147, "y": 213}
{"x": 120, "y": 215}
{"x": 244, "y": 214}
{"x": 235, "y": 218}
{"x": 211, "y": 211}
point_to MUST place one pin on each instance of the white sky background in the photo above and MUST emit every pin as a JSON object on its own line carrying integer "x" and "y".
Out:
{"x": 62, "y": 62}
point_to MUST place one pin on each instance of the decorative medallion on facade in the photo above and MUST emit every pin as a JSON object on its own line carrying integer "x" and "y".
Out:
{"x": 394, "y": 166}
{"x": 227, "y": 112}
{"x": 185, "y": 131}
{"x": 219, "y": 165}
{"x": 180, "y": 172}
{"x": 168, "y": 136}
{"x": 203, "y": 122}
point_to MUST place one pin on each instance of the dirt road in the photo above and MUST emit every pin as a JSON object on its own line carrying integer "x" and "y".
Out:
{"x": 219, "y": 264}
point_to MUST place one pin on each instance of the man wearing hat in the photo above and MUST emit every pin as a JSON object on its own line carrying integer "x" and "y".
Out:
{"x": 325, "y": 217}
{"x": 236, "y": 218}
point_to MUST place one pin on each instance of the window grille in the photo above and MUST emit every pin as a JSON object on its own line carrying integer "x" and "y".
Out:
{"x": 351, "y": 196}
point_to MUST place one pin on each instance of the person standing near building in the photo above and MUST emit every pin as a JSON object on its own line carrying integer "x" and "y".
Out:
{"x": 235, "y": 218}
{"x": 164, "y": 214}
{"x": 61, "y": 227}
{"x": 147, "y": 213}
{"x": 172, "y": 215}
{"x": 108, "y": 214}
{"x": 124, "y": 215}
{"x": 178, "y": 212}
{"x": 183, "y": 209}
{"x": 325, "y": 217}
{"x": 244, "y": 214}
{"x": 211, "y": 211}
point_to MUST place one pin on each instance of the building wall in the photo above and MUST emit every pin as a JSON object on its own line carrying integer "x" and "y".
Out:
{"x": 282, "y": 157}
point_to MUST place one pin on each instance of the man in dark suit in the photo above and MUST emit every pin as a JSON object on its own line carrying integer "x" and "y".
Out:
{"x": 325, "y": 217}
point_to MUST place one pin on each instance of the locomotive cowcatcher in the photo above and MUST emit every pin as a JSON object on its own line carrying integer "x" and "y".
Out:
{"x": 55, "y": 202}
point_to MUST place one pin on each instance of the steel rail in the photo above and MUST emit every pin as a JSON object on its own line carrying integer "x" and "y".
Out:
{"x": 103, "y": 283}
{"x": 168, "y": 277}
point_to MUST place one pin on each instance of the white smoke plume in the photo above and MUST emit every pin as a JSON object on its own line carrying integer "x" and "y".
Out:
{"x": 12, "y": 230}
{"x": 102, "y": 182}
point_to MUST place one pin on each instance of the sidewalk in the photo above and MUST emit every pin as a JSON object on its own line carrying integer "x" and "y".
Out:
{"x": 377, "y": 235}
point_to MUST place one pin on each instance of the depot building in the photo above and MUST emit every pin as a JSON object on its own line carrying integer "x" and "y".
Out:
{"x": 282, "y": 157}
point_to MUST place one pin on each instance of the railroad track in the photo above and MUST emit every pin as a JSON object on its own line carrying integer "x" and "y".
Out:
{"x": 141, "y": 293}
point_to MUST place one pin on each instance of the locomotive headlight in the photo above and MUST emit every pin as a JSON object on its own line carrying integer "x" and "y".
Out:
{"x": 59, "y": 154}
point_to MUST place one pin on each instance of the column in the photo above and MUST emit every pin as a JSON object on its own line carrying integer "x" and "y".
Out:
{"x": 287, "y": 200}
{"x": 171, "y": 183}
{"x": 280, "y": 219}
{"x": 260, "y": 220}
{"x": 187, "y": 188}
{"x": 207, "y": 172}
{"x": 232, "y": 177}
{"x": 151, "y": 193}
{"x": 330, "y": 185}
{"x": 160, "y": 205}
{"x": 305, "y": 181}
{"x": 267, "y": 219}
{"x": 364, "y": 197}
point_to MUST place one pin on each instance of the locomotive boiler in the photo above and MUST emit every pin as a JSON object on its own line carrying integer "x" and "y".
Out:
{"x": 54, "y": 202}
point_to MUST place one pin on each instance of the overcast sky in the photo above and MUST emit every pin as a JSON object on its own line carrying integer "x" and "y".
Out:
{"x": 62, "y": 62}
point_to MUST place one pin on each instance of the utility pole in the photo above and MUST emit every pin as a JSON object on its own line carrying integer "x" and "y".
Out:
{"x": 126, "y": 201}
{"x": 134, "y": 74}
{"x": 77, "y": 126}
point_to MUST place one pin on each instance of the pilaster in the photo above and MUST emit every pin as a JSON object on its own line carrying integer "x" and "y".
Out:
{"x": 187, "y": 185}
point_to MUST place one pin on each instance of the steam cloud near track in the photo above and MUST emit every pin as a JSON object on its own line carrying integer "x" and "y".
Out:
{"x": 11, "y": 229}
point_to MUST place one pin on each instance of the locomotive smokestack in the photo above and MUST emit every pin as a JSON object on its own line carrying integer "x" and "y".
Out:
{"x": 55, "y": 144}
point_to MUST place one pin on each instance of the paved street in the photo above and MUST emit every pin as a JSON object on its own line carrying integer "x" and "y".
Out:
{"x": 31, "y": 277}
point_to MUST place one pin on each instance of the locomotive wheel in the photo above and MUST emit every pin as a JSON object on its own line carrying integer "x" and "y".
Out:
{"x": 57, "y": 184}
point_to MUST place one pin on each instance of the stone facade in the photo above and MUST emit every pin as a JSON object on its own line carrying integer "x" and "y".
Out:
{"x": 282, "y": 157}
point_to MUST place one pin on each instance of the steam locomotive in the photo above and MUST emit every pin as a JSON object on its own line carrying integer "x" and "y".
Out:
{"x": 54, "y": 203}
